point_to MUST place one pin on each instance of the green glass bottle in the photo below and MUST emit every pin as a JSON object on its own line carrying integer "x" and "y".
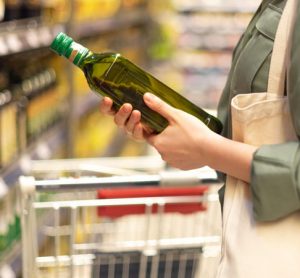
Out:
{"x": 110, "y": 74}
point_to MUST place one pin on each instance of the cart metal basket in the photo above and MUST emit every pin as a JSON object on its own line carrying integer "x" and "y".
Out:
{"x": 120, "y": 226}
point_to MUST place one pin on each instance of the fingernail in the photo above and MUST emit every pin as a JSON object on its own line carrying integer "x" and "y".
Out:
{"x": 127, "y": 108}
{"x": 149, "y": 97}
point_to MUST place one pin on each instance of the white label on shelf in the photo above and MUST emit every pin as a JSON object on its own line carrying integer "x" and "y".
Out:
{"x": 45, "y": 35}
{"x": 43, "y": 150}
{"x": 7, "y": 272}
{"x": 25, "y": 163}
{"x": 32, "y": 38}
{"x": 57, "y": 29}
{"x": 13, "y": 42}
{"x": 3, "y": 189}
{"x": 3, "y": 47}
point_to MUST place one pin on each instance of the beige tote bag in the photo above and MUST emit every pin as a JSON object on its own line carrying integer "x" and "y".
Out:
{"x": 251, "y": 249}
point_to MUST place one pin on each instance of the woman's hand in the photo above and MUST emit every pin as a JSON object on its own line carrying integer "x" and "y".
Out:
{"x": 186, "y": 143}
{"x": 183, "y": 142}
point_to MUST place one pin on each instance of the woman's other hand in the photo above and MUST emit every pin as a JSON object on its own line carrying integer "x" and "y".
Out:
{"x": 126, "y": 118}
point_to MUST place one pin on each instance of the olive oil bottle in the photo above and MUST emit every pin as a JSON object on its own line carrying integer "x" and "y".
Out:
{"x": 110, "y": 74}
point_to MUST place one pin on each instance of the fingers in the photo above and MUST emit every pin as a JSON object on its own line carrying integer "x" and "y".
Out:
{"x": 106, "y": 106}
{"x": 123, "y": 115}
{"x": 134, "y": 119}
{"x": 125, "y": 118}
{"x": 138, "y": 132}
{"x": 133, "y": 127}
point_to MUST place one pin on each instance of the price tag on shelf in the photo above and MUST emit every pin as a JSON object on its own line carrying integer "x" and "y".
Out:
{"x": 45, "y": 35}
{"x": 13, "y": 42}
{"x": 57, "y": 29}
{"x": 3, "y": 190}
{"x": 25, "y": 163}
{"x": 43, "y": 150}
{"x": 7, "y": 272}
{"x": 32, "y": 38}
{"x": 3, "y": 47}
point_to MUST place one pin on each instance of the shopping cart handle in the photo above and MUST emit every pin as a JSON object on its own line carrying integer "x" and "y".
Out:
{"x": 188, "y": 206}
{"x": 179, "y": 178}
{"x": 174, "y": 178}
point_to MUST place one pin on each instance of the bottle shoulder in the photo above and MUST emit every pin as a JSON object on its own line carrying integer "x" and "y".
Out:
{"x": 96, "y": 57}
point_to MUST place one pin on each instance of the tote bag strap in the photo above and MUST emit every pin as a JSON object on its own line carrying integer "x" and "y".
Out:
{"x": 281, "y": 50}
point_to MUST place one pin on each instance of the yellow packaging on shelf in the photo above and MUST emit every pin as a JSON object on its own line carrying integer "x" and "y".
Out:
{"x": 93, "y": 134}
{"x": 95, "y": 9}
{"x": 56, "y": 11}
{"x": 8, "y": 126}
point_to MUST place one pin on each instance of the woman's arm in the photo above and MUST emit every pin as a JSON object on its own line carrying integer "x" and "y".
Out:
{"x": 186, "y": 143}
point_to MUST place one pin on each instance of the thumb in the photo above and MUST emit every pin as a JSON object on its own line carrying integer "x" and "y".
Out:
{"x": 159, "y": 106}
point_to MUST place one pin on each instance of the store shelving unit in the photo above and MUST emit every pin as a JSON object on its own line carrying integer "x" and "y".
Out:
{"x": 26, "y": 35}
{"x": 231, "y": 7}
{"x": 30, "y": 35}
{"x": 123, "y": 21}
{"x": 205, "y": 34}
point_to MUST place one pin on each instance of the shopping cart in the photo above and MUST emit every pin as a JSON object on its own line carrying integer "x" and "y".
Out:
{"x": 120, "y": 226}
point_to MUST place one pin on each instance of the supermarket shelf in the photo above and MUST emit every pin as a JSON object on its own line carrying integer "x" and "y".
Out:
{"x": 122, "y": 21}
{"x": 13, "y": 259}
{"x": 182, "y": 7}
{"x": 24, "y": 35}
{"x": 42, "y": 149}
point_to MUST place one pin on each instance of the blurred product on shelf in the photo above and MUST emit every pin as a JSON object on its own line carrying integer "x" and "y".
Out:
{"x": 95, "y": 9}
{"x": 162, "y": 48}
{"x": 203, "y": 35}
{"x": 230, "y": 6}
{"x": 8, "y": 128}
{"x": 12, "y": 10}
{"x": 50, "y": 11}
{"x": 31, "y": 102}
{"x": 56, "y": 11}
{"x": 8, "y": 121}
{"x": 37, "y": 84}
{"x": 93, "y": 134}
{"x": 1, "y": 10}
{"x": 10, "y": 226}
{"x": 31, "y": 8}
{"x": 132, "y": 4}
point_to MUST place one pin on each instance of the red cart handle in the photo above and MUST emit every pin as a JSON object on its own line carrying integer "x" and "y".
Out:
{"x": 119, "y": 211}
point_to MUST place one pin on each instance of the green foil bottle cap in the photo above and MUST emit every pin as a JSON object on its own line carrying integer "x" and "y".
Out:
{"x": 61, "y": 44}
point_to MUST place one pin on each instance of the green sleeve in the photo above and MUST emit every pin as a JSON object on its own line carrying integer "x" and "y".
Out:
{"x": 275, "y": 177}
{"x": 275, "y": 181}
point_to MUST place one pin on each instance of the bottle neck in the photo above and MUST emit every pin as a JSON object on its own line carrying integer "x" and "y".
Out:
{"x": 76, "y": 53}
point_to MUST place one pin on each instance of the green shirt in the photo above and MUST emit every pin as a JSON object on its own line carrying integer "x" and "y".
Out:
{"x": 275, "y": 176}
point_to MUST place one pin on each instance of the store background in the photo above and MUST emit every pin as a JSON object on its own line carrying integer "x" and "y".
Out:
{"x": 48, "y": 111}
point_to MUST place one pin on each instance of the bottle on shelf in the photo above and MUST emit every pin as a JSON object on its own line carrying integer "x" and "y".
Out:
{"x": 112, "y": 75}
{"x": 8, "y": 128}
{"x": 2, "y": 8}
{"x": 3, "y": 226}
{"x": 56, "y": 11}
{"x": 31, "y": 8}
{"x": 12, "y": 10}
